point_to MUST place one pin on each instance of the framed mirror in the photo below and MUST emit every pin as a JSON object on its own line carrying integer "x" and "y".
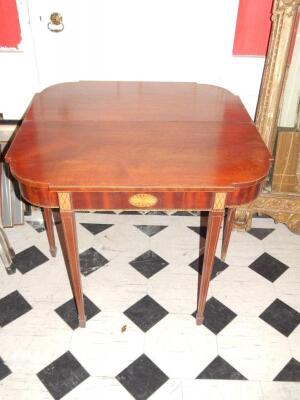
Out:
{"x": 278, "y": 105}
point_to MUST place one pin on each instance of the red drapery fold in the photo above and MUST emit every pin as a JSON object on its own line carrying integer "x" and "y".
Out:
{"x": 10, "y": 33}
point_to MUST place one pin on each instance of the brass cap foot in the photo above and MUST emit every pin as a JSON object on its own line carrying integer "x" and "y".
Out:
{"x": 53, "y": 252}
{"x": 199, "y": 319}
{"x": 82, "y": 323}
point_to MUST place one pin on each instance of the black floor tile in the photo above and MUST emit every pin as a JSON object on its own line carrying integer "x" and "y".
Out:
{"x": 219, "y": 266}
{"x": 261, "y": 216}
{"x": 216, "y": 315}
{"x": 260, "y": 233}
{"x": 146, "y": 313}
{"x": 12, "y": 307}
{"x": 29, "y": 259}
{"x": 204, "y": 214}
{"x": 151, "y": 230}
{"x": 142, "y": 378}
{"x": 91, "y": 260}
{"x": 37, "y": 225}
{"x": 149, "y": 263}
{"x": 96, "y": 228}
{"x": 130, "y": 213}
{"x": 220, "y": 369}
{"x": 62, "y": 375}
{"x": 290, "y": 373}
{"x": 268, "y": 267}
{"x": 68, "y": 311}
{"x": 281, "y": 317}
{"x": 156, "y": 213}
{"x": 105, "y": 212}
{"x": 4, "y": 370}
{"x": 196, "y": 213}
{"x": 201, "y": 230}
{"x": 182, "y": 213}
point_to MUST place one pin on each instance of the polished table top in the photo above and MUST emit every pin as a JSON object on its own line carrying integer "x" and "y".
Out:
{"x": 137, "y": 136}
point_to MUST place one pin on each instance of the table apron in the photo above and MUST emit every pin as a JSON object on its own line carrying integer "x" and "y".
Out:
{"x": 154, "y": 200}
{"x": 142, "y": 200}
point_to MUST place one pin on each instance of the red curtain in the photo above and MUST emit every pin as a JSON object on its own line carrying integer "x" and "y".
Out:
{"x": 253, "y": 28}
{"x": 10, "y": 33}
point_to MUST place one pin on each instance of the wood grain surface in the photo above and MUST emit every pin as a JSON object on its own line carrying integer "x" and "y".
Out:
{"x": 130, "y": 136}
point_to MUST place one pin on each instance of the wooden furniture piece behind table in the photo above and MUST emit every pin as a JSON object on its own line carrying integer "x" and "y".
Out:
{"x": 129, "y": 145}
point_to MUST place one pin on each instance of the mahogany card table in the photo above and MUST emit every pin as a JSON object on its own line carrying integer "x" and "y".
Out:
{"x": 138, "y": 146}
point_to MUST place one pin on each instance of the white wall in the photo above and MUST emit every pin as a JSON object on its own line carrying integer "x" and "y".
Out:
{"x": 165, "y": 40}
{"x": 173, "y": 40}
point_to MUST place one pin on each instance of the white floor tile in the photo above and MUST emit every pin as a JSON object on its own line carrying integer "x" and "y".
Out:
{"x": 105, "y": 349}
{"x": 180, "y": 347}
{"x": 221, "y": 390}
{"x": 256, "y": 350}
{"x": 281, "y": 390}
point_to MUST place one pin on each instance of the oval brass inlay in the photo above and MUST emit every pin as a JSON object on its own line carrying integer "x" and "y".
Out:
{"x": 142, "y": 200}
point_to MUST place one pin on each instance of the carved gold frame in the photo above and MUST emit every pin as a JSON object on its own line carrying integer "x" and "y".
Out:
{"x": 281, "y": 207}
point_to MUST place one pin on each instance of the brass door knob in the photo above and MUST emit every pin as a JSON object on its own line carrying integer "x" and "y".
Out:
{"x": 56, "y": 22}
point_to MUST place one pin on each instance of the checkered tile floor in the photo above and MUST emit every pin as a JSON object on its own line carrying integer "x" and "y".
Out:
{"x": 139, "y": 274}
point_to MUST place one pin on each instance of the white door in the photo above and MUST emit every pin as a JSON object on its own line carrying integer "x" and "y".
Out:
{"x": 164, "y": 40}
{"x": 57, "y": 53}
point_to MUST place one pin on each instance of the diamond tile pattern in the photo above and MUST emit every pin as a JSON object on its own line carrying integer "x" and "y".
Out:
{"x": 216, "y": 315}
{"x": 63, "y": 375}
{"x": 260, "y": 233}
{"x": 141, "y": 346}
{"x": 220, "y": 369}
{"x": 219, "y": 266}
{"x": 4, "y": 370}
{"x": 201, "y": 230}
{"x": 281, "y": 317}
{"x": 96, "y": 228}
{"x": 290, "y": 373}
{"x": 149, "y": 263}
{"x": 68, "y": 311}
{"x": 150, "y": 230}
{"x": 268, "y": 267}
{"x": 142, "y": 378}
{"x": 12, "y": 307}
{"x": 146, "y": 313}
{"x": 29, "y": 259}
{"x": 91, "y": 260}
